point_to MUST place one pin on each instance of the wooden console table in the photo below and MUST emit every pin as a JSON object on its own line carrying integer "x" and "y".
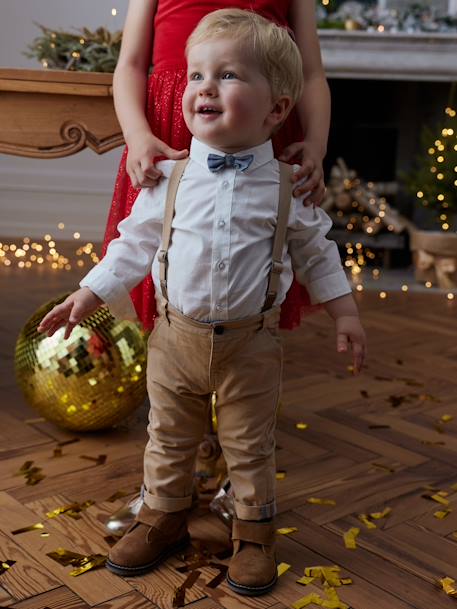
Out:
{"x": 48, "y": 114}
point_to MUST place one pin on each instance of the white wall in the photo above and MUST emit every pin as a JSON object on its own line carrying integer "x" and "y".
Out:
{"x": 36, "y": 194}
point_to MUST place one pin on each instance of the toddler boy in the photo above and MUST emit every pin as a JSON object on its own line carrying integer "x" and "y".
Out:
{"x": 223, "y": 237}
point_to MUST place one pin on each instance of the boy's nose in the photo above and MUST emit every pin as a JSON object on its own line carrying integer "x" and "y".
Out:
{"x": 208, "y": 89}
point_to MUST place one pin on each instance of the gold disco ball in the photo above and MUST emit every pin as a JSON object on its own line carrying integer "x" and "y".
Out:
{"x": 92, "y": 380}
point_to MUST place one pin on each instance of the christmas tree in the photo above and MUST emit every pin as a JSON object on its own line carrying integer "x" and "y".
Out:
{"x": 434, "y": 179}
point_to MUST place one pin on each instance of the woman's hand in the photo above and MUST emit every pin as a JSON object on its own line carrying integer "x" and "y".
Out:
{"x": 70, "y": 312}
{"x": 142, "y": 150}
{"x": 310, "y": 175}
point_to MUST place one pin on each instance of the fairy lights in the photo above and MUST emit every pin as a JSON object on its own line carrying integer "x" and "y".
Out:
{"x": 29, "y": 254}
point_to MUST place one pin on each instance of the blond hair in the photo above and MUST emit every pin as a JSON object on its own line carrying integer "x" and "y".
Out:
{"x": 274, "y": 50}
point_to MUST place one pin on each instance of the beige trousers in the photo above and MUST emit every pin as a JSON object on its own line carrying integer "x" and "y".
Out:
{"x": 242, "y": 362}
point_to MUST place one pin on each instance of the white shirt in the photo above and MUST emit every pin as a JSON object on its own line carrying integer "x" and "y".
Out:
{"x": 221, "y": 244}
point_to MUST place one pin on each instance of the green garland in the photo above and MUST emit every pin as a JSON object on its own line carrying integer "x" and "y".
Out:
{"x": 83, "y": 51}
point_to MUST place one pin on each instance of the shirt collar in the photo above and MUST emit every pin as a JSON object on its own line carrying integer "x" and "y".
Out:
{"x": 262, "y": 154}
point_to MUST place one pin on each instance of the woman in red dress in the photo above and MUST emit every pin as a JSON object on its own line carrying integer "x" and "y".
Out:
{"x": 149, "y": 111}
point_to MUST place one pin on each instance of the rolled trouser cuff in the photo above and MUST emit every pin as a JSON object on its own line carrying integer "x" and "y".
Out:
{"x": 167, "y": 504}
{"x": 255, "y": 512}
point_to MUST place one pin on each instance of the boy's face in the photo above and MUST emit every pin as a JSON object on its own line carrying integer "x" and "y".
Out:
{"x": 227, "y": 103}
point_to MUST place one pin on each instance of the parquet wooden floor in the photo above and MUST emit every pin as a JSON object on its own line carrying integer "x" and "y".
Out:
{"x": 372, "y": 442}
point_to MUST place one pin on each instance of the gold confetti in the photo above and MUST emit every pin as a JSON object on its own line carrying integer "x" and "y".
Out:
{"x": 80, "y": 561}
{"x": 447, "y": 584}
{"x": 32, "y": 475}
{"x": 378, "y": 515}
{"x": 5, "y": 565}
{"x": 73, "y": 510}
{"x": 305, "y": 580}
{"x": 89, "y": 562}
{"x": 280, "y": 475}
{"x": 350, "y": 537}
{"x": 437, "y": 497}
{"x": 307, "y": 600}
{"x": 282, "y": 568}
{"x": 319, "y": 501}
{"x": 446, "y": 418}
{"x": 301, "y": 425}
{"x": 366, "y": 521}
{"x": 33, "y": 527}
{"x": 286, "y": 530}
{"x": 329, "y": 576}
{"x": 441, "y": 514}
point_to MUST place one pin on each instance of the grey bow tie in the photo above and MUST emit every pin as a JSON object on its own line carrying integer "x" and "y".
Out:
{"x": 216, "y": 162}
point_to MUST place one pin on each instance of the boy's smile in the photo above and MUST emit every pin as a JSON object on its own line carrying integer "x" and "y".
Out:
{"x": 227, "y": 103}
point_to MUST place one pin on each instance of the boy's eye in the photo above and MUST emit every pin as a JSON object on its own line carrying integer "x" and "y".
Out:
{"x": 228, "y": 75}
{"x": 195, "y": 76}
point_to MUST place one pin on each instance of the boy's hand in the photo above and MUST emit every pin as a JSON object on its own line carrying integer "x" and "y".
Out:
{"x": 70, "y": 312}
{"x": 311, "y": 173}
{"x": 142, "y": 149}
{"x": 349, "y": 331}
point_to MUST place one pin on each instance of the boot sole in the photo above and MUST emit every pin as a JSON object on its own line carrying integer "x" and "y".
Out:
{"x": 143, "y": 569}
{"x": 251, "y": 590}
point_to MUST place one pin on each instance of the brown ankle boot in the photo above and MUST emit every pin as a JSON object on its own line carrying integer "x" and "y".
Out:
{"x": 252, "y": 570}
{"x": 153, "y": 537}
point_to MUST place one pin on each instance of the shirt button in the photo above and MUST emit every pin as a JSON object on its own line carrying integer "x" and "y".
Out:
{"x": 221, "y": 223}
{"x": 219, "y": 307}
{"x": 221, "y": 266}
{"x": 225, "y": 184}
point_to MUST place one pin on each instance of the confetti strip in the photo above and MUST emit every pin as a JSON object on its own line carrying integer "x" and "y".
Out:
{"x": 286, "y": 530}
{"x": 319, "y": 501}
{"x": 213, "y": 583}
{"x": 442, "y": 514}
{"x": 366, "y": 521}
{"x": 80, "y": 561}
{"x": 440, "y": 499}
{"x": 446, "y": 418}
{"x": 33, "y": 527}
{"x": 304, "y": 581}
{"x": 329, "y": 576}
{"x": 32, "y": 475}
{"x": 282, "y": 568}
{"x": 5, "y": 565}
{"x": 180, "y": 591}
{"x": 89, "y": 562}
{"x": 307, "y": 600}
{"x": 447, "y": 584}
{"x": 384, "y": 514}
{"x": 73, "y": 510}
{"x": 100, "y": 460}
{"x": 301, "y": 425}
{"x": 350, "y": 537}
{"x": 280, "y": 475}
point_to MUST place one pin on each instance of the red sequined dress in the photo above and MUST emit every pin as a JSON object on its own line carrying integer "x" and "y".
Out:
{"x": 173, "y": 23}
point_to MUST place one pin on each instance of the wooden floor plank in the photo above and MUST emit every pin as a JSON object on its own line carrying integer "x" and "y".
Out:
{"x": 95, "y": 587}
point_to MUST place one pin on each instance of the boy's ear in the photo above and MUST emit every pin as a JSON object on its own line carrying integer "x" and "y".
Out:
{"x": 279, "y": 111}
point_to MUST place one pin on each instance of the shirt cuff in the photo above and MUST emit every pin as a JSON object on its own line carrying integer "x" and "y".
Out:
{"x": 104, "y": 284}
{"x": 328, "y": 287}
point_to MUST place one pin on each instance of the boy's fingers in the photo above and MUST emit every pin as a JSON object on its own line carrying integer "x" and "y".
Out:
{"x": 341, "y": 343}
